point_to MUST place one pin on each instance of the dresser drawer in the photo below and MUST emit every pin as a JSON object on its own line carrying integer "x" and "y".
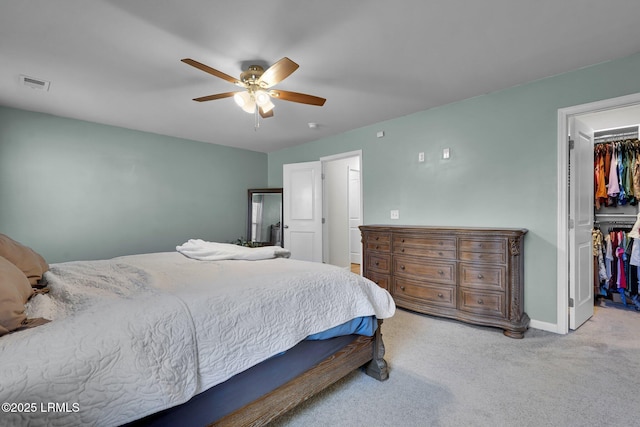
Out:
{"x": 378, "y": 262}
{"x": 483, "y": 302}
{"x": 378, "y": 242}
{"x": 483, "y": 245}
{"x": 426, "y": 241}
{"x": 487, "y": 257}
{"x": 489, "y": 251}
{"x": 381, "y": 280}
{"x": 483, "y": 277}
{"x": 429, "y": 252}
{"x": 440, "y": 295}
{"x": 425, "y": 269}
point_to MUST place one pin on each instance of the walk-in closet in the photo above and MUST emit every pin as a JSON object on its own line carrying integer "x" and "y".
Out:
{"x": 616, "y": 238}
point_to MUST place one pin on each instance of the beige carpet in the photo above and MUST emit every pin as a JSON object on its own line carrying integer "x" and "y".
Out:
{"x": 446, "y": 373}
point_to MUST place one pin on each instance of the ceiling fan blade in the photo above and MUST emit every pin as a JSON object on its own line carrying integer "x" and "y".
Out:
{"x": 214, "y": 97}
{"x": 267, "y": 114}
{"x": 277, "y": 72}
{"x": 302, "y": 98}
{"x": 212, "y": 71}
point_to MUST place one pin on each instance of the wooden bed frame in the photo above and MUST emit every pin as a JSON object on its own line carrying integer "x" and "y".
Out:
{"x": 362, "y": 351}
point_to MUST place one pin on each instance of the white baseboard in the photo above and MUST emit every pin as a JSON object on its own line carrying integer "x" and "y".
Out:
{"x": 545, "y": 326}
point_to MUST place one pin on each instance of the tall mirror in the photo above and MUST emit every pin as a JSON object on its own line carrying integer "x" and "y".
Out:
{"x": 265, "y": 217}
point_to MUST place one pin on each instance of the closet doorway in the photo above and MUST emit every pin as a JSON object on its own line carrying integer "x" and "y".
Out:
{"x": 342, "y": 209}
{"x": 576, "y": 201}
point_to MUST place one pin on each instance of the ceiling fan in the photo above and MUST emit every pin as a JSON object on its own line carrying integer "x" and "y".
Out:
{"x": 257, "y": 82}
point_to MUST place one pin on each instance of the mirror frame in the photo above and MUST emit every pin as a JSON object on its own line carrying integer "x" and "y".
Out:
{"x": 250, "y": 194}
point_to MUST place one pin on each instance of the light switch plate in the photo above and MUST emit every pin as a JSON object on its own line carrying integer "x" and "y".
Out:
{"x": 395, "y": 214}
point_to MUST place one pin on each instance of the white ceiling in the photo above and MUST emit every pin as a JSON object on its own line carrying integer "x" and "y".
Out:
{"x": 118, "y": 62}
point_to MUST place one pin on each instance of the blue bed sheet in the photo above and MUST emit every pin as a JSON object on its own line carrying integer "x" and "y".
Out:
{"x": 366, "y": 325}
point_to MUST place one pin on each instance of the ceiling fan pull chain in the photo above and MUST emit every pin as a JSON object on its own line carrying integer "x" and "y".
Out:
{"x": 256, "y": 123}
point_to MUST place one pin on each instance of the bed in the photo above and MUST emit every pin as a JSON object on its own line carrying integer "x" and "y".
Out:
{"x": 164, "y": 338}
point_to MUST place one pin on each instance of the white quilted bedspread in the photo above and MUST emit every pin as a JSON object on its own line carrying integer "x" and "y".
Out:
{"x": 134, "y": 335}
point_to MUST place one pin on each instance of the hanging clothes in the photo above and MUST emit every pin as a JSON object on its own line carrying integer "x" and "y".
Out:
{"x": 618, "y": 273}
{"x": 616, "y": 173}
{"x": 608, "y": 260}
{"x": 628, "y": 176}
{"x": 599, "y": 175}
{"x": 621, "y": 282}
{"x": 636, "y": 172}
{"x": 622, "y": 194}
{"x": 635, "y": 230}
{"x": 598, "y": 253}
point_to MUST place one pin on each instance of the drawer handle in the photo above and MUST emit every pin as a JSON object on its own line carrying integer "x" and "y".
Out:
{"x": 377, "y": 263}
{"x": 377, "y": 247}
{"x": 377, "y": 238}
{"x": 480, "y": 276}
{"x": 440, "y": 253}
{"x": 402, "y": 288}
{"x": 440, "y": 272}
{"x": 440, "y": 295}
{"x": 402, "y": 240}
{"x": 480, "y": 302}
{"x": 402, "y": 250}
{"x": 402, "y": 267}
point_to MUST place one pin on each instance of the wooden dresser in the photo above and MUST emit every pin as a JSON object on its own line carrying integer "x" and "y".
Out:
{"x": 470, "y": 274}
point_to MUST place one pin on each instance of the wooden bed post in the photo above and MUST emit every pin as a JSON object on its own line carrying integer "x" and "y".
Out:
{"x": 378, "y": 367}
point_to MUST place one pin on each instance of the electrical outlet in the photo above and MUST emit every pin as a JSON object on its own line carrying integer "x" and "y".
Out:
{"x": 395, "y": 214}
{"x": 421, "y": 157}
{"x": 446, "y": 153}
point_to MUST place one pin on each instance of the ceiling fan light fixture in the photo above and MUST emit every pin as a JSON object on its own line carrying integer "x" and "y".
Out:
{"x": 262, "y": 98}
{"x": 250, "y": 107}
{"x": 245, "y": 101}
{"x": 268, "y": 106}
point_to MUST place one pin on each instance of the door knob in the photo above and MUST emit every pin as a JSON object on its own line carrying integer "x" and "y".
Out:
{"x": 285, "y": 226}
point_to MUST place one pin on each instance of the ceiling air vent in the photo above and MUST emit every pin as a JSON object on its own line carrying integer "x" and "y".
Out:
{"x": 34, "y": 83}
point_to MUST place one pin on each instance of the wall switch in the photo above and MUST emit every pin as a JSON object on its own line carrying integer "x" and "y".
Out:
{"x": 445, "y": 153}
{"x": 380, "y": 134}
{"x": 395, "y": 214}
{"x": 421, "y": 157}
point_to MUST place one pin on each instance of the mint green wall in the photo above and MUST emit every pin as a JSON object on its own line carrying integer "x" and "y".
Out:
{"x": 502, "y": 171}
{"x": 77, "y": 190}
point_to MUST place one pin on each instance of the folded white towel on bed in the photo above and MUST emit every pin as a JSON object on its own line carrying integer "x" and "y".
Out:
{"x": 212, "y": 251}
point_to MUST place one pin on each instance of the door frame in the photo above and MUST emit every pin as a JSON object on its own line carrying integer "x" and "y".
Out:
{"x": 323, "y": 161}
{"x": 563, "y": 261}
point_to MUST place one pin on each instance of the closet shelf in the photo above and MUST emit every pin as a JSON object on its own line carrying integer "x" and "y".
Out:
{"x": 616, "y": 215}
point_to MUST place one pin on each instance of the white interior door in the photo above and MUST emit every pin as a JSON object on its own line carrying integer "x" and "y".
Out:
{"x": 581, "y": 201}
{"x": 302, "y": 210}
{"x": 336, "y": 212}
{"x": 355, "y": 216}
